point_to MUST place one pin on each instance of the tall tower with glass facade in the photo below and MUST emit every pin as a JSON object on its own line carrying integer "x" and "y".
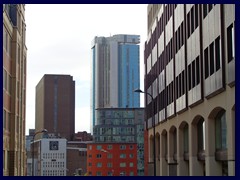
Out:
{"x": 115, "y": 73}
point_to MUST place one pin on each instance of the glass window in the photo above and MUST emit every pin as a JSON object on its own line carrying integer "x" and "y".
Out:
{"x": 109, "y": 164}
{"x": 99, "y": 147}
{"x": 211, "y": 58}
{"x": 122, "y": 146}
{"x": 122, "y": 164}
{"x": 230, "y": 43}
{"x": 201, "y": 135}
{"x": 221, "y": 131}
{"x": 99, "y": 155}
{"x": 131, "y": 164}
{"x": 99, "y": 164}
{"x": 205, "y": 11}
{"x": 109, "y": 147}
{"x": 217, "y": 52}
{"x": 206, "y": 63}
{"x": 122, "y": 155}
{"x": 99, "y": 173}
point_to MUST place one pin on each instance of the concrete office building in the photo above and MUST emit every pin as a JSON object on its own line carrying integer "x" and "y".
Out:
{"x": 14, "y": 89}
{"x": 115, "y": 73}
{"x": 50, "y": 157}
{"x": 55, "y": 106}
{"x": 190, "y": 72}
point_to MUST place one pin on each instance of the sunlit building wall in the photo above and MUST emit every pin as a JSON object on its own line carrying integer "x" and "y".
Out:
{"x": 14, "y": 89}
{"x": 189, "y": 61}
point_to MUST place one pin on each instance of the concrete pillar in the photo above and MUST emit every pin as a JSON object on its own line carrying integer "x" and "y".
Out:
{"x": 196, "y": 166}
{"x": 213, "y": 167}
{"x": 230, "y": 118}
{"x": 163, "y": 162}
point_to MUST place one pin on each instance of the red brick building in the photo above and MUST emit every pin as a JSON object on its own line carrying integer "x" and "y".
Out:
{"x": 83, "y": 136}
{"x": 112, "y": 159}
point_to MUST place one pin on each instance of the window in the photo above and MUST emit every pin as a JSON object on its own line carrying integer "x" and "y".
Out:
{"x": 109, "y": 147}
{"x": 99, "y": 164}
{"x": 122, "y": 155}
{"x": 131, "y": 155}
{"x": 206, "y": 63}
{"x": 99, "y": 147}
{"x": 90, "y": 147}
{"x": 109, "y": 156}
{"x": 198, "y": 70}
{"x": 193, "y": 74}
{"x": 109, "y": 164}
{"x": 204, "y": 10}
{"x": 131, "y": 164}
{"x": 189, "y": 77}
{"x": 221, "y": 131}
{"x": 192, "y": 20}
{"x": 188, "y": 25}
{"x": 99, "y": 173}
{"x": 211, "y": 58}
{"x": 131, "y": 146}
{"x": 201, "y": 130}
{"x": 196, "y": 16}
{"x": 99, "y": 155}
{"x": 122, "y": 164}
{"x": 217, "y": 53}
{"x": 230, "y": 43}
{"x": 122, "y": 146}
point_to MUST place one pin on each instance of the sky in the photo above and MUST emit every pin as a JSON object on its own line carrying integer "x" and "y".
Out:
{"x": 58, "y": 40}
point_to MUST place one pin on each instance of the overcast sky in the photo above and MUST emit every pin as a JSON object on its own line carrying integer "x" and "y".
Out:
{"x": 58, "y": 39}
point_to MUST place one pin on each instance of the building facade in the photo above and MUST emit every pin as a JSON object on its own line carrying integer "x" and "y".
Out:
{"x": 55, "y": 106}
{"x": 118, "y": 126}
{"x": 50, "y": 157}
{"x": 190, "y": 72}
{"x": 14, "y": 89}
{"x": 112, "y": 159}
{"x": 29, "y": 139}
{"x": 115, "y": 73}
{"x": 76, "y": 158}
{"x": 83, "y": 136}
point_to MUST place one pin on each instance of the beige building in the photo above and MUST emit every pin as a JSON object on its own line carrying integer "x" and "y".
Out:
{"x": 190, "y": 72}
{"x": 14, "y": 90}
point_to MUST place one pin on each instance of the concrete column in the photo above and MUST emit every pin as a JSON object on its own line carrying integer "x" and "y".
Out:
{"x": 230, "y": 118}
{"x": 213, "y": 167}
{"x": 196, "y": 167}
{"x": 163, "y": 162}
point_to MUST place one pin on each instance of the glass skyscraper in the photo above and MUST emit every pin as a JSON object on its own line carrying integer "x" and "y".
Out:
{"x": 115, "y": 73}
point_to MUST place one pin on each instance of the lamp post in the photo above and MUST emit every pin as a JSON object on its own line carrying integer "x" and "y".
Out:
{"x": 38, "y": 132}
{"x": 153, "y": 123}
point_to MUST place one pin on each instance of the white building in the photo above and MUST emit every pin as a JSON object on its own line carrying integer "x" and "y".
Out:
{"x": 51, "y": 157}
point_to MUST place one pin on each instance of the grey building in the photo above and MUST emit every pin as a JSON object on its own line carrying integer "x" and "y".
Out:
{"x": 115, "y": 73}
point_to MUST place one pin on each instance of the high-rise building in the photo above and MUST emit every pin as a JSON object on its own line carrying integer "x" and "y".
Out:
{"x": 14, "y": 89}
{"x": 115, "y": 73}
{"x": 190, "y": 72}
{"x": 55, "y": 106}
